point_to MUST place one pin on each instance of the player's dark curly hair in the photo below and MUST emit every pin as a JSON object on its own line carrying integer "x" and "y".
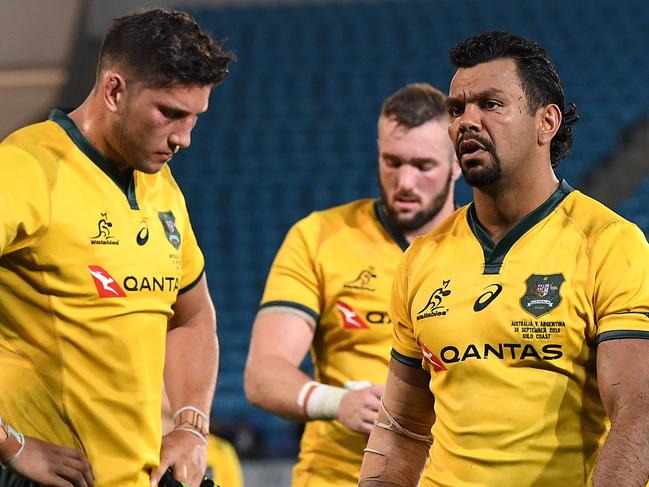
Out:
{"x": 414, "y": 104}
{"x": 163, "y": 48}
{"x": 539, "y": 78}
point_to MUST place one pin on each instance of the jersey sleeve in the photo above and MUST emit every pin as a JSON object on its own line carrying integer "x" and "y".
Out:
{"x": 193, "y": 262}
{"x": 24, "y": 200}
{"x": 293, "y": 278}
{"x": 404, "y": 344}
{"x": 619, "y": 275}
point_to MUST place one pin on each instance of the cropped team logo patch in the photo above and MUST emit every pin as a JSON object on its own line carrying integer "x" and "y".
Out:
{"x": 435, "y": 307}
{"x": 542, "y": 294}
{"x": 105, "y": 284}
{"x": 431, "y": 358}
{"x": 351, "y": 320}
{"x": 363, "y": 280}
{"x": 169, "y": 225}
{"x": 104, "y": 236}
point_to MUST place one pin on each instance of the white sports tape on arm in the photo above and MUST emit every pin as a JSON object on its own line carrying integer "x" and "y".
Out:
{"x": 320, "y": 401}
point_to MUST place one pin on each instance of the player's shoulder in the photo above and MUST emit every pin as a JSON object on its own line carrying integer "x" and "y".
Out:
{"x": 592, "y": 218}
{"x": 352, "y": 214}
{"x": 37, "y": 147}
{"x": 453, "y": 227}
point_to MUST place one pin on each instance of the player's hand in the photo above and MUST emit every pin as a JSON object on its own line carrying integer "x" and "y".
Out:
{"x": 186, "y": 454}
{"x": 53, "y": 465}
{"x": 358, "y": 409}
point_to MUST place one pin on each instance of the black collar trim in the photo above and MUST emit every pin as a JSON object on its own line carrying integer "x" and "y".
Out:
{"x": 396, "y": 236}
{"x": 125, "y": 181}
{"x": 494, "y": 254}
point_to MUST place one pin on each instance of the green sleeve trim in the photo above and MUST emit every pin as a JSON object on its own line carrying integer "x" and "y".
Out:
{"x": 622, "y": 334}
{"x": 404, "y": 359}
{"x": 292, "y": 304}
{"x": 193, "y": 283}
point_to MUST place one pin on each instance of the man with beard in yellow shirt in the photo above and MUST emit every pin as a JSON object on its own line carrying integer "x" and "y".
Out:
{"x": 328, "y": 290}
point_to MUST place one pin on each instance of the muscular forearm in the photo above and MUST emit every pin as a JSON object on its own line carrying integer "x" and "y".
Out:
{"x": 624, "y": 459}
{"x": 400, "y": 440}
{"x": 191, "y": 364}
{"x": 273, "y": 383}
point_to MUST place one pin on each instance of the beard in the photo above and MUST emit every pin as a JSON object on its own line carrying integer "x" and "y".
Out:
{"x": 421, "y": 217}
{"x": 480, "y": 176}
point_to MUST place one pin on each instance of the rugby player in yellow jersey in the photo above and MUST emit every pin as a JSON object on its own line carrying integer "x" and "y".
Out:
{"x": 329, "y": 286}
{"x": 522, "y": 321}
{"x": 100, "y": 270}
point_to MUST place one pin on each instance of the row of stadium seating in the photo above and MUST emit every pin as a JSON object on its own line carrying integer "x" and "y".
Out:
{"x": 293, "y": 128}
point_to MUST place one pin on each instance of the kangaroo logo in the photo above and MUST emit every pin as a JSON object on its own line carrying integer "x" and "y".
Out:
{"x": 363, "y": 280}
{"x": 434, "y": 306}
{"x": 104, "y": 236}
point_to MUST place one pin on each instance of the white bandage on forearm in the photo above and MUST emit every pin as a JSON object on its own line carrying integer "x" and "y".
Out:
{"x": 320, "y": 401}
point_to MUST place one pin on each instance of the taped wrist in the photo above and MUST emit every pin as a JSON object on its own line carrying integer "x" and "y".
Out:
{"x": 394, "y": 455}
{"x": 320, "y": 401}
{"x": 12, "y": 445}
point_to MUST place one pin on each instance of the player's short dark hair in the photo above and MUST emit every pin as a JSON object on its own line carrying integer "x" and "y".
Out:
{"x": 539, "y": 78}
{"x": 414, "y": 105}
{"x": 163, "y": 48}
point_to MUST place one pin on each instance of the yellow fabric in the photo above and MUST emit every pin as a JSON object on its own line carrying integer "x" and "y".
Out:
{"x": 223, "y": 464}
{"x": 78, "y": 369}
{"x": 341, "y": 258}
{"x": 514, "y": 381}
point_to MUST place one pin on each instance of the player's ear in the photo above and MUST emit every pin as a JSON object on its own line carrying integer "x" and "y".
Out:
{"x": 113, "y": 89}
{"x": 549, "y": 120}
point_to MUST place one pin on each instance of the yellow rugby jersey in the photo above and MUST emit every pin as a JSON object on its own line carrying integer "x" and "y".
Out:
{"x": 337, "y": 265}
{"x": 92, "y": 261}
{"x": 223, "y": 464}
{"x": 509, "y": 332}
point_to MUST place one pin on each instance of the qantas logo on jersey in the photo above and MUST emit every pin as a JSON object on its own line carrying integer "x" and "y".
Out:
{"x": 431, "y": 358}
{"x": 503, "y": 351}
{"x": 434, "y": 306}
{"x": 351, "y": 320}
{"x": 151, "y": 283}
{"x": 105, "y": 284}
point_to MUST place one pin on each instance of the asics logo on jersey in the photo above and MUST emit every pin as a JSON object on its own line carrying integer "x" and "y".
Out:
{"x": 143, "y": 234}
{"x": 487, "y": 297}
{"x": 434, "y": 306}
{"x": 105, "y": 284}
{"x": 351, "y": 320}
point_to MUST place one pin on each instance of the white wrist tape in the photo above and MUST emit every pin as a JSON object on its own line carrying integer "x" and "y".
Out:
{"x": 320, "y": 401}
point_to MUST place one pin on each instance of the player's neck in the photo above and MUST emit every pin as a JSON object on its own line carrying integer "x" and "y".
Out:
{"x": 93, "y": 126}
{"x": 500, "y": 208}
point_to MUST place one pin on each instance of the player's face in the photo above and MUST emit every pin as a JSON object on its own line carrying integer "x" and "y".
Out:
{"x": 415, "y": 171}
{"x": 491, "y": 128}
{"x": 152, "y": 123}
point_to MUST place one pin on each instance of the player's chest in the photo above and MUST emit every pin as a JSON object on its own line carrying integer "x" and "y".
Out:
{"x": 536, "y": 307}
{"x": 98, "y": 245}
{"x": 356, "y": 289}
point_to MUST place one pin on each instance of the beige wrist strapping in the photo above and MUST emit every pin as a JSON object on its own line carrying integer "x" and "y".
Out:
{"x": 394, "y": 425}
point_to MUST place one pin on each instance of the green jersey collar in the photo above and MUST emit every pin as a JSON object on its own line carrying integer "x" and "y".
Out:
{"x": 125, "y": 181}
{"x": 396, "y": 236}
{"x": 494, "y": 254}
